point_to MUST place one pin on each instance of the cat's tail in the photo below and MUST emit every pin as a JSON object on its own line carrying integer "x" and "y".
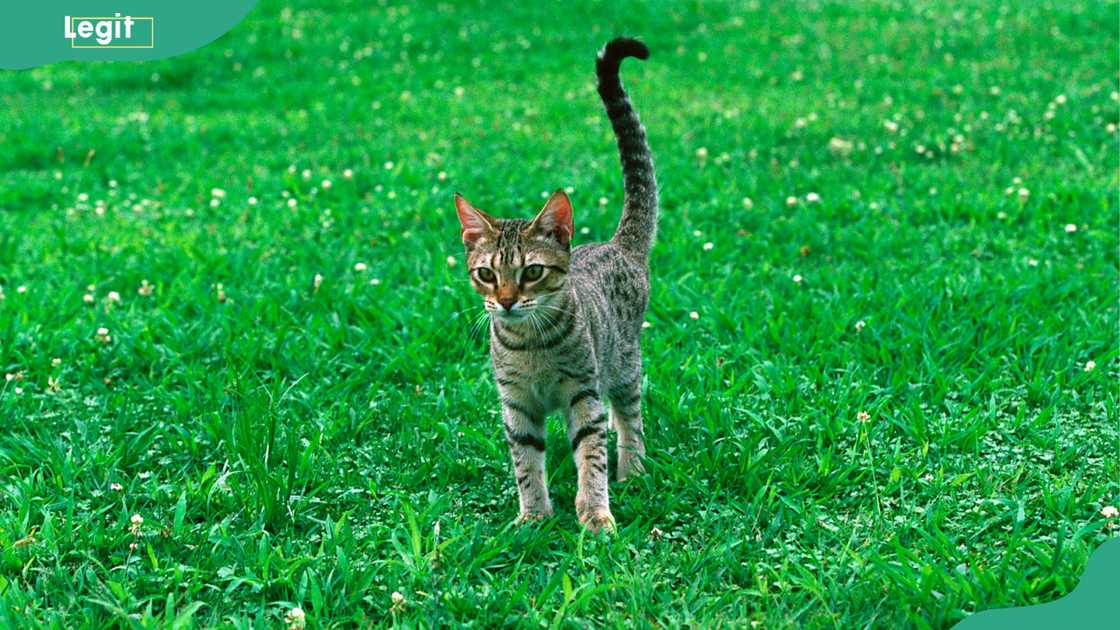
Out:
{"x": 638, "y": 225}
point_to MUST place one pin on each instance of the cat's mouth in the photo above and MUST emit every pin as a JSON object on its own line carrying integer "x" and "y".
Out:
{"x": 520, "y": 313}
{"x": 516, "y": 315}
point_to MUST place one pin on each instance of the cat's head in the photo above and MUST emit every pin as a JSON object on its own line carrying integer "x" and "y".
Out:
{"x": 519, "y": 267}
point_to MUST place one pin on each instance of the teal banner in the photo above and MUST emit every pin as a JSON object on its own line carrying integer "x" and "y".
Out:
{"x": 1092, "y": 604}
{"x": 126, "y": 30}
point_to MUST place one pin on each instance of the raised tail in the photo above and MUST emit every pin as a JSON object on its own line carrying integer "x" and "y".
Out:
{"x": 638, "y": 225}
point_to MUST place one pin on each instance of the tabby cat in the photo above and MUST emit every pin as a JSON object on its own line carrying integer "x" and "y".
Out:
{"x": 565, "y": 323}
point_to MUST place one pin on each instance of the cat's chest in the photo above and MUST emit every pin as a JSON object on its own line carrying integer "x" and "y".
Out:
{"x": 536, "y": 377}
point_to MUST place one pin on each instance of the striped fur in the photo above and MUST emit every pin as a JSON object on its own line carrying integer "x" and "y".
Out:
{"x": 565, "y": 324}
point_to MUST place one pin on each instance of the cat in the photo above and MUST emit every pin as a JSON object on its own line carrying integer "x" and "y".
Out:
{"x": 565, "y": 323}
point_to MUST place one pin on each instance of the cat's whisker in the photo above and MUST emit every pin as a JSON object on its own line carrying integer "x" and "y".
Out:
{"x": 479, "y": 321}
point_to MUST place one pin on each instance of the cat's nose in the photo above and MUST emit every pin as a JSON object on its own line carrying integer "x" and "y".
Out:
{"x": 507, "y": 303}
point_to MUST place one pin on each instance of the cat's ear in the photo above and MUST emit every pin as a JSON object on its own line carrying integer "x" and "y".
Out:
{"x": 555, "y": 219}
{"x": 475, "y": 223}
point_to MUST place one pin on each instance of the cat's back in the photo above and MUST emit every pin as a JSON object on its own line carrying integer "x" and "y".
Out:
{"x": 608, "y": 270}
{"x": 604, "y": 260}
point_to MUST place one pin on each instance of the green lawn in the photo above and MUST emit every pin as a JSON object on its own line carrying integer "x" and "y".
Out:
{"x": 912, "y": 213}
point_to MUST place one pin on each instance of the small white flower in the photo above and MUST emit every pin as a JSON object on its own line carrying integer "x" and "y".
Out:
{"x": 217, "y": 193}
{"x": 708, "y": 246}
{"x": 812, "y": 197}
{"x": 375, "y": 281}
{"x": 296, "y": 618}
{"x": 1024, "y": 194}
{"x": 1033, "y": 262}
{"x": 1090, "y": 365}
{"x": 398, "y": 600}
{"x": 702, "y": 153}
{"x": 21, "y": 289}
{"x": 797, "y": 278}
{"x": 113, "y": 296}
{"x": 292, "y": 203}
{"x": 252, "y": 201}
{"x": 306, "y": 174}
{"x": 655, "y": 533}
{"x": 347, "y": 174}
{"x": 145, "y": 288}
{"x": 747, "y": 203}
{"x": 1110, "y": 511}
{"x": 136, "y": 519}
{"x": 388, "y": 166}
{"x": 116, "y": 487}
{"x": 214, "y": 203}
{"x": 18, "y": 390}
{"x": 361, "y": 266}
{"x": 451, "y": 261}
{"x": 694, "y": 315}
{"x": 791, "y": 201}
{"x": 602, "y": 201}
{"x": 441, "y": 176}
{"x": 863, "y": 416}
{"x": 56, "y": 362}
{"x": 326, "y": 184}
{"x": 1071, "y": 228}
{"x": 860, "y": 325}
{"x": 317, "y": 281}
{"x": 646, "y": 324}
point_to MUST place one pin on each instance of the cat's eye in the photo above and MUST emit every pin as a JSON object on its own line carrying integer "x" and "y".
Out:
{"x": 532, "y": 273}
{"x": 486, "y": 275}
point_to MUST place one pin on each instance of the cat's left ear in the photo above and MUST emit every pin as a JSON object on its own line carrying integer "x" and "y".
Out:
{"x": 555, "y": 219}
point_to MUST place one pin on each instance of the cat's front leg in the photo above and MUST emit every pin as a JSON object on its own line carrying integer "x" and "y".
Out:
{"x": 587, "y": 430}
{"x": 524, "y": 428}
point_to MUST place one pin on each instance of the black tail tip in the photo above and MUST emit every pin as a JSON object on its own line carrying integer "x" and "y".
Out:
{"x": 620, "y": 48}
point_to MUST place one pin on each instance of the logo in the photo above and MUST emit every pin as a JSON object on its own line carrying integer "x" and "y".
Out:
{"x": 111, "y": 32}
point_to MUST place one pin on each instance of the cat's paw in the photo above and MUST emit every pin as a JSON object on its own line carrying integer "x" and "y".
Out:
{"x": 532, "y": 517}
{"x": 598, "y": 521}
{"x": 629, "y": 467}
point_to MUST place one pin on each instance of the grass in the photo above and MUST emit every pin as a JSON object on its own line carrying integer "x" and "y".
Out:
{"x": 323, "y": 445}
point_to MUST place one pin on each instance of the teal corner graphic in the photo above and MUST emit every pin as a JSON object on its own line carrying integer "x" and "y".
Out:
{"x": 124, "y": 30}
{"x": 1092, "y": 604}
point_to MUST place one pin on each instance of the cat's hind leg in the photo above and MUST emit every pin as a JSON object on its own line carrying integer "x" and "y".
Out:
{"x": 626, "y": 418}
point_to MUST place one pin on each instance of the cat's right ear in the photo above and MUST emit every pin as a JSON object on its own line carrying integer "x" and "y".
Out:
{"x": 475, "y": 223}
